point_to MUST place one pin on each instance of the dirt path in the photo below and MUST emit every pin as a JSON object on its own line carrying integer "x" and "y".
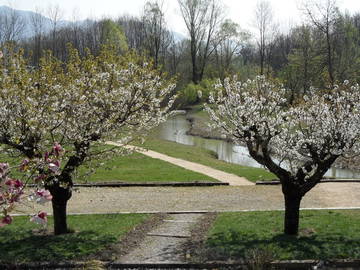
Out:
{"x": 221, "y": 176}
{"x": 221, "y": 198}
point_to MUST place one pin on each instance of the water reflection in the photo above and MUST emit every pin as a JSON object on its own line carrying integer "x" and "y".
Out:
{"x": 175, "y": 128}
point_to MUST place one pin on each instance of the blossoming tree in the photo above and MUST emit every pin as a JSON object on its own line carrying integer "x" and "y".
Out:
{"x": 79, "y": 104}
{"x": 297, "y": 143}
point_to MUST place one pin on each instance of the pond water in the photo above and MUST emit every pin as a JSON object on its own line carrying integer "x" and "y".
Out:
{"x": 175, "y": 128}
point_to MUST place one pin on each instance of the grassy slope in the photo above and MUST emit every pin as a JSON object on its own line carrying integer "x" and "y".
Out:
{"x": 140, "y": 168}
{"x": 133, "y": 168}
{"x": 92, "y": 233}
{"x": 205, "y": 157}
{"x": 323, "y": 235}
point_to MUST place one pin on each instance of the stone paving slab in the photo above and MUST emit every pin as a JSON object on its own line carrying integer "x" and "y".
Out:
{"x": 179, "y": 227}
{"x": 163, "y": 244}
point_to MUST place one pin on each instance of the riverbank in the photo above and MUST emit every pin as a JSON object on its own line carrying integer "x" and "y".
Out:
{"x": 205, "y": 157}
{"x": 199, "y": 120}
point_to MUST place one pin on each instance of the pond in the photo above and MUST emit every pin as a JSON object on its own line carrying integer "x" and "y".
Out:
{"x": 175, "y": 128}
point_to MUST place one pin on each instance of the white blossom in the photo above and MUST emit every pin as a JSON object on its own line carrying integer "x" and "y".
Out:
{"x": 309, "y": 135}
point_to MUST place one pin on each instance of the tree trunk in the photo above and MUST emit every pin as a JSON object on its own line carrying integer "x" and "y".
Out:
{"x": 292, "y": 210}
{"x": 61, "y": 195}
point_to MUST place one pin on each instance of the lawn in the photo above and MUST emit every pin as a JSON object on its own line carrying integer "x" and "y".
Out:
{"x": 140, "y": 168}
{"x": 323, "y": 235}
{"x": 136, "y": 168}
{"x": 93, "y": 233}
{"x": 205, "y": 157}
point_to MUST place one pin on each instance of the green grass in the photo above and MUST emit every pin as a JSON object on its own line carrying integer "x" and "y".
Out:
{"x": 323, "y": 235}
{"x": 205, "y": 157}
{"x": 132, "y": 168}
{"x": 93, "y": 233}
{"x": 140, "y": 168}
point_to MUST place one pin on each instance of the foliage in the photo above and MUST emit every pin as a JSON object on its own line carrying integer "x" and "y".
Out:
{"x": 113, "y": 35}
{"x": 188, "y": 95}
{"x": 323, "y": 235}
{"x": 194, "y": 93}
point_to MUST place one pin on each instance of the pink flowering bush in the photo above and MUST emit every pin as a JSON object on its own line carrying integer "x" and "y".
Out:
{"x": 12, "y": 191}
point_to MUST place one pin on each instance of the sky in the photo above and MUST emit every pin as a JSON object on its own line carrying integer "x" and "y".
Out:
{"x": 286, "y": 12}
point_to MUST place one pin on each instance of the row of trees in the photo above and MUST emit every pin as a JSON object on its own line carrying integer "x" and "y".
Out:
{"x": 320, "y": 52}
{"x": 79, "y": 97}
{"x": 81, "y": 103}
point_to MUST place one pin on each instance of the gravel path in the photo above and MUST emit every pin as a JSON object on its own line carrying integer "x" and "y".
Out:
{"x": 164, "y": 244}
{"x": 221, "y": 176}
{"x": 220, "y": 198}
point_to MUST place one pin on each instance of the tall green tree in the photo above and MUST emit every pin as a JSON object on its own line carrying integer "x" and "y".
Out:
{"x": 113, "y": 35}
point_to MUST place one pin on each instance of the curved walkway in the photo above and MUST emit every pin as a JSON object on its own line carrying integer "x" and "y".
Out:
{"x": 221, "y": 176}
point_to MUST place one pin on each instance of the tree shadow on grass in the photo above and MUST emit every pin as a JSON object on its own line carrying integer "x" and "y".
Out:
{"x": 234, "y": 245}
{"x": 23, "y": 246}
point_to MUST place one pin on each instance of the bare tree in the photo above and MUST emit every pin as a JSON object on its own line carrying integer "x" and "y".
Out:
{"x": 230, "y": 41}
{"x": 323, "y": 15}
{"x": 75, "y": 30}
{"x": 37, "y": 25}
{"x": 134, "y": 31}
{"x": 176, "y": 56}
{"x": 157, "y": 37}
{"x": 263, "y": 22}
{"x": 55, "y": 14}
{"x": 11, "y": 25}
{"x": 202, "y": 18}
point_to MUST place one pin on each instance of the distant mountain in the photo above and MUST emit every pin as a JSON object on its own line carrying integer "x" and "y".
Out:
{"x": 178, "y": 37}
{"x": 26, "y": 17}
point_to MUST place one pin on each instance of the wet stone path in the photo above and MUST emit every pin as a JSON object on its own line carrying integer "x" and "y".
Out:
{"x": 165, "y": 243}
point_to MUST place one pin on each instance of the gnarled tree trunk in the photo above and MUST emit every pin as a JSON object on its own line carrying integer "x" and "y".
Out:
{"x": 61, "y": 195}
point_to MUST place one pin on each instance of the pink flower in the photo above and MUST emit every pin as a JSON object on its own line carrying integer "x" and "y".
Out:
{"x": 46, "y": 157}
{"x": 57, "y": 149}
{"x": 24, "y": 164}
{"x": 14, "y": 183}
{"x": 5, "y": 221}
{"x": 54, "y": 166}
{"x": 40, "y": 178}
{"x": 4, "y": 167}
{"x": 16, "y": 196}
{"x": 40, "y": 218}
{"x": 43, "y": 196}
